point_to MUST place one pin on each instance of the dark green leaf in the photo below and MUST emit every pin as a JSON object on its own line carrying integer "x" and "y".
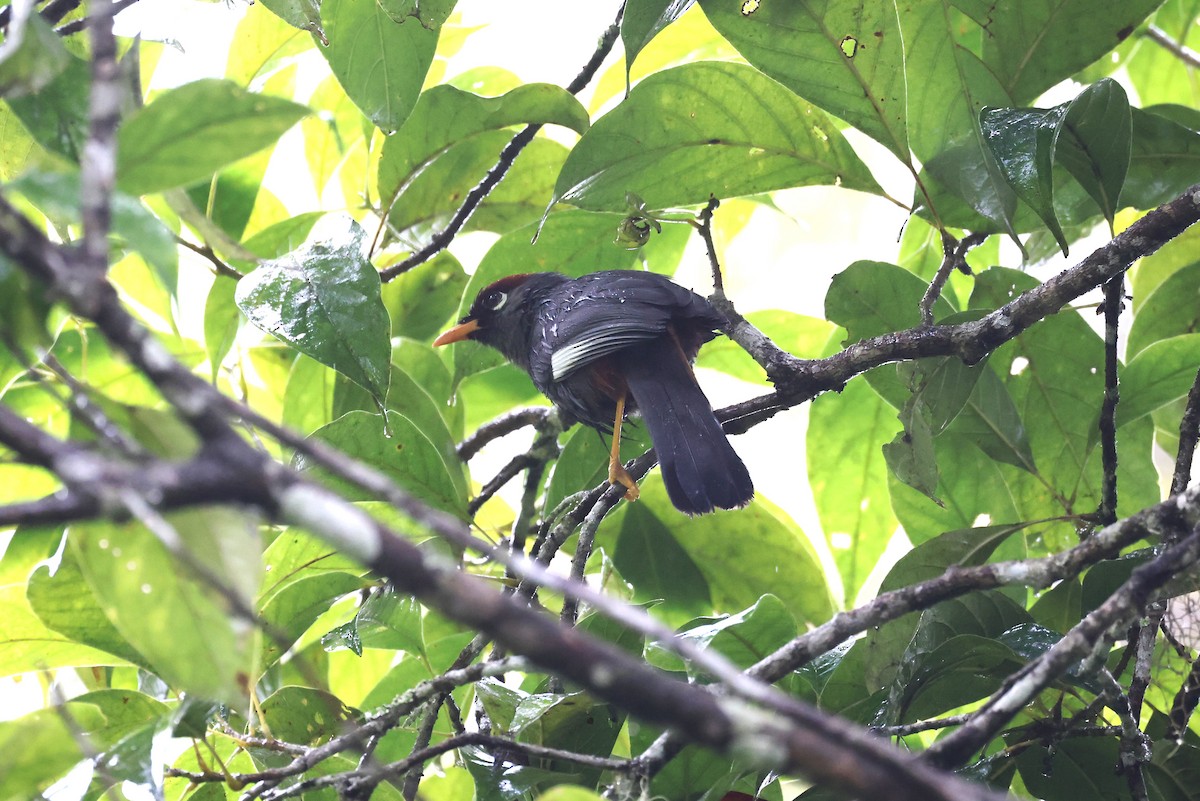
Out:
{"x": 910, "y": 455}
{"x": 1022, "y": 141}
{"x": 744, "y": 638}
{"x": 381, "y": 63}
{"x": 708, "y": 128}
{"x": 992, "y": 422}
{"x": 190, "y": 132}
{"x": 1093, "y": 143}
{"x": 844, "y": 58}
{"x": 653, "y": 561}
{"x": 324, "y": 300}
{"x": 1079, "y": 767}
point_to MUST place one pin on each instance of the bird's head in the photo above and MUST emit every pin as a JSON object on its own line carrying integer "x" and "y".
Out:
{"x": 498, "y": 315}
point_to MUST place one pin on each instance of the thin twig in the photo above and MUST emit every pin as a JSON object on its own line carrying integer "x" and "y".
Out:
{"x": 1182, "y": 52}
{"x": 501, "y": 426}
{"x": 1114, "y": 301}
{"x": 220, "y": 268}
{"x": 1189, "y": 435}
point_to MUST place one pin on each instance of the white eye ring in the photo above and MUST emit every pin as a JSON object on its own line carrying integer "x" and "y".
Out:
{"x": 496, "y": 300}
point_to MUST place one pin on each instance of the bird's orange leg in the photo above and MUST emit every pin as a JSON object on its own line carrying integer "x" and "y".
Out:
{"x": 617, "y": 474}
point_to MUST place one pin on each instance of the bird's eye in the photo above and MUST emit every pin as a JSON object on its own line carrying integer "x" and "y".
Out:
{"x": 494, "y": 301}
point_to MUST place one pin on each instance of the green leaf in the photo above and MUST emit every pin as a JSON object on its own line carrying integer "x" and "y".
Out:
{"x": 390, "y": 620}
{"x": 953, "y": 658}
{"x": 910, "y": 455}
{"x": 742, "y": 554}
{"x": 1093, "y": 142}
{"x": 703, "y": 129}
{"x": 152, "y": 601}
{"x": 302, "y": 14}
{"x": 844, "y": 58}
{"x": 1022, "y": 141}
{"x": 65, "y": 603}
{"x": 265, "y": 41}
{"x": 1160, "y": 374}
{"x": 1172, "y": 774}
{"x": 455, "y": 783}
{"x": 188, "y": 133}
{"x": 379, "y": 61}
{"x": 399, "y": 450}
{"x": 38, "y": 748}
{"x": 991, "y": 421}
{"x": 324, "y": 300}
{"x": 642, "y": 21}
{"x": 650, "y": 558}
{"x": 221, "y": 322}
{"x": 410, "y": 399}
{"x": 1157, "y": 74}
{"x": 583, "y": 464}
{"x": 27, "y": 644}
{"x": 848, "y": 476}
{"x": 870, "y": 298}
{"x": 1168, "y": 311}
{"x": 420, "y": 301}
{"x": 1056, "y": 393}
{"x": 32, "y": 54}
{"x": 446, "y": 116}
{"x": 305, "y": 716}
{"x": 1023, "y": 44}
{"x": 434, "y": 194}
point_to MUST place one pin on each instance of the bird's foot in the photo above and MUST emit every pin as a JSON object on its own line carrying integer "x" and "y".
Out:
{"x": 617, "y": 474}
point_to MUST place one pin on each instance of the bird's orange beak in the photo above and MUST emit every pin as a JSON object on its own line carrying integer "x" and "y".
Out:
{"x": 457, "y": 333}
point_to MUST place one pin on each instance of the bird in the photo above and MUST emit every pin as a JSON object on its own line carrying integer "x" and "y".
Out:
{"x": 610, "y": 343}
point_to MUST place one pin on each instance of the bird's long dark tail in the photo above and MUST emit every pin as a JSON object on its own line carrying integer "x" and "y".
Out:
{"x": 699, "y": 466}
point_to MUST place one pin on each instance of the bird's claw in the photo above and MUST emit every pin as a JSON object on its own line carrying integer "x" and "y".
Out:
{"x": 617, "y": 474}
